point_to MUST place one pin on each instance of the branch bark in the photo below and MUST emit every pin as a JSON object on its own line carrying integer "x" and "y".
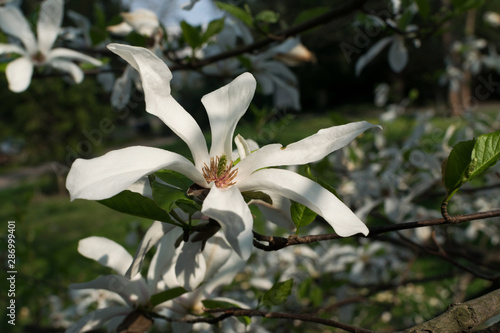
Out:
{"x": 462, "y": 317}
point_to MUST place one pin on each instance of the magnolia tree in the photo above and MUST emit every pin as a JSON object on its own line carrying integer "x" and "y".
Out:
{"x": 330, "y": 230}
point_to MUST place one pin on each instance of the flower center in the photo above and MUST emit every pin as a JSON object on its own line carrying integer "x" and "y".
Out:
{"x": 220, "y": 172}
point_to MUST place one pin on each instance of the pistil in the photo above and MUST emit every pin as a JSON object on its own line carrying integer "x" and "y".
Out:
{"x": 220, "y": 171}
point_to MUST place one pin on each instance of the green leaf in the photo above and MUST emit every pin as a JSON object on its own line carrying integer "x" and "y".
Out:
{"x": 301, "y": 215}
{"x": 249, "y": 195}
{"x": 191, "y": 34}
{"x": 211, "y": 304}
{"x": 457, "y": 165}
{"x": 214, "y": 27}
{"x": 309, "y": 14}
{"x": 267, "y": 16}
{"x": 485, "y": 154}
{"x": 237, "y": 12}
{"x": 175, "y": 179}
{"x": 424, "y": 8}
{"x": 278, "y": 293}
{"x": 167, "y": 295}
{"x": 167, "y": 196}
{"x": 135, "y": 204}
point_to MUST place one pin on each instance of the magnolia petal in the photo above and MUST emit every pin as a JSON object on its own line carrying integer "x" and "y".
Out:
{"x": 62, "y": 52}
{"x": 277, "y": 213}
{"x": 67, "y": 66}
{"x": 19, "y": 73}
{"x": 304, "y": 191}
{"x": 106, "y": 252}
{"x": 310, "y": 149}
{"x": 371, "y": 53}
{"x": 13, "y": 22}
{"x": 123, "y": 29}
{"x": 190, "y": 267}
{"x": 133, "y": 292}
{"x": 142, "y": 20}
{"x": 49, "y": 22}
{"x": 230, "y": 209}
{"x": 155, "y": 232}
{"x": 225, "y": 106}
{"x": 156, "y": 78}
{"x": 107, "y": 175}
{"x": 11, "y": 48}
{"x": 217, "y": 251}
{"x": 161, "y": 265}
{"x": 97, "y": 318}
{"x": 398, "y": 55}
{"x": 227, "y": 263}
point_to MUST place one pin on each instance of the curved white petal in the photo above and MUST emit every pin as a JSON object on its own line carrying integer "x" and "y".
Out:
{"x": 277, "y": 213}
{"x": 303, "y": 190}
{"x": 97, "y": 318}
{"x": 11, "y": 48}
{"x": 190, "y": 267}
{"x": 398, "y": 55}
{"x": 107, "y": 175}
{"x": 133, "y": 292}
{"x": 73, "y": 70}
{"x": 49, "y": 22}
{"x": 155, "y": 232}
{"x": 13, "y": 22}
{"x": 62, "y": 52}
{"x": 106, "y": 252}
{"x": 142, "y": 20}
{"x": 372, "y": 53}
{"x": 164, "y": 257}
{"x": 225, "y": 106}
{"x": 156, "y": 78}
{"x": 231, "y": 211}
{"x": 19, "y": 73}
{"x": 310, "y": 149}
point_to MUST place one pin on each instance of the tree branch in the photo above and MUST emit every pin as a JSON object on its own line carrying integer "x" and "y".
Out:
{"x": 339, "y": 12}
{"x": 462, "y": 317}
{"x": 276, "y": 243}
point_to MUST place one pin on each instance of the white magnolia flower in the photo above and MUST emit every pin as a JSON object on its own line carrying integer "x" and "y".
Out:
{"x": 38, "y": 52}
{"x": 143, "y": 21}
{"x": 106, "y": 176}
{"x": 134, "y": 293}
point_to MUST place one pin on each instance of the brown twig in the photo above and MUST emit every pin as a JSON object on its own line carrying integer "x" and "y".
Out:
{"x": 346, "y": 9}
{"x": 276, "y": 243}
{"x": 237, "y": 312}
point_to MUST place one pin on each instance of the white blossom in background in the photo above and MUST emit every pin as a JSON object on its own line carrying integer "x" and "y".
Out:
{"x": 106, "y": 176}
{"x": 492, "y": 18}
{"x": 134, "y": 293}
{"x": 38, "y": 53}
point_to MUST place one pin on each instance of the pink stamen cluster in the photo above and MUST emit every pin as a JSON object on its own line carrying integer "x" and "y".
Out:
{"x": 220, "y": 172}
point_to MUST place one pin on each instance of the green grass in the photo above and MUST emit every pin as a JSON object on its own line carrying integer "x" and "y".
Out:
{"x": 48, "y": 229}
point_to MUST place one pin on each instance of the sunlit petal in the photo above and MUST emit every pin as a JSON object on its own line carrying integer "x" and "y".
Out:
{"x": 132, "y": 291}
{"x": 156, "y": 78}
{"x": 310, "y": 149}
{"x": 155, "y": 232}
{"x": 225, "y": 106}
{"x": 106, "y": 252}
{"x": 68, "y": 67}
{"x": 190, "y": 267}
{"x": 97, "y": 318}
{"x": 19, "y": 73}
{"x": 11, "y": 48}
{"x": 305, "y": 191}
{"x": 61, "y": 52}
{"x": 49, "y": 22}
{"x": 107, "y": 175}
{"x": 230, "y": 209}
{"x": 13, "y": 22}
